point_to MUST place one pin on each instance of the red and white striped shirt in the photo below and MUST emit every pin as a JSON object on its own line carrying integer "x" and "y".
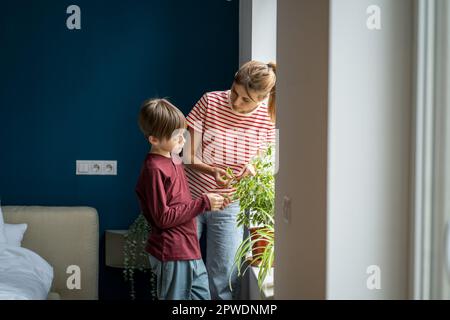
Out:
{"x": 229, "y": 139}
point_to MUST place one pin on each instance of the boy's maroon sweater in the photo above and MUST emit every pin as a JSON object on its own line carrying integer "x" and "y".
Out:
{"x": 167, "y": 205}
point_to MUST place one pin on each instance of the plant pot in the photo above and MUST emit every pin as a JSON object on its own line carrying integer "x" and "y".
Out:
{"x": 258, "y": 245}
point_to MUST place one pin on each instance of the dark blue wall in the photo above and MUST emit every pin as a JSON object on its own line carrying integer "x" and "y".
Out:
{"x": 68, "y": 95}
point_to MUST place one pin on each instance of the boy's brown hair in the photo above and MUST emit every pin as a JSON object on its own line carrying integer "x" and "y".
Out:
{"x": 160, "y": 118}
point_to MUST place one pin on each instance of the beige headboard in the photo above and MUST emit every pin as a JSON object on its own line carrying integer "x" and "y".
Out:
{"x": 63, "y": 236}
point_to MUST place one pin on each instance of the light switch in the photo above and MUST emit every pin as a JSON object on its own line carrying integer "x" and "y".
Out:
{"x": 83, "y": 168}
{"x": 286, "y": 209}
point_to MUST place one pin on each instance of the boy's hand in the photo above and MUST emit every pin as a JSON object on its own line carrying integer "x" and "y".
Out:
{"x": 226, "y": 201}
{"x": 215, "y": 201}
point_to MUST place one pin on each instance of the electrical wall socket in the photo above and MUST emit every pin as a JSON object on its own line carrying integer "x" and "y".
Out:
{"x": 96, "y": 167}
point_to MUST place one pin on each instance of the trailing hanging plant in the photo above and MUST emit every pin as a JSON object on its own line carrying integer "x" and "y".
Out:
{"x": 135, "y": 256}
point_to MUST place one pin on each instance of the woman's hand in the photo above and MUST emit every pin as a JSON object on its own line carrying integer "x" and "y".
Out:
{"x": 222, "y": 177}
{"x": 249, "y": 170}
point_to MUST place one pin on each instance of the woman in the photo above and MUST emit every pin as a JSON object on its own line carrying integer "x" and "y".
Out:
{"x": 228, "y": 128}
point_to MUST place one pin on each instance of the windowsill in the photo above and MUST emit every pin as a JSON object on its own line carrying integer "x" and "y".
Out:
{"x": 267, "y": 291}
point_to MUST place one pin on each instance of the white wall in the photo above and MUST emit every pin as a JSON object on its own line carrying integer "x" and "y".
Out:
{"x": 257, "y": 30}
{"x": 264, "y": 30}
{"x": 344, "y": 111}
{"x": 369, "y": 149}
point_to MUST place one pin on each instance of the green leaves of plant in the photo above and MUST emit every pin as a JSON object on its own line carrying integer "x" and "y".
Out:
{"x": 256, "y": 196}
{"x": 257, "y": 193}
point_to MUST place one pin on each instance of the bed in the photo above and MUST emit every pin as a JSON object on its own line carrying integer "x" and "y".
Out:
{"x": 64, "y": 237}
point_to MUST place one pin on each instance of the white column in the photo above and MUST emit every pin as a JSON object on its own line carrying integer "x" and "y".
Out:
{"x": 302, "y": 116}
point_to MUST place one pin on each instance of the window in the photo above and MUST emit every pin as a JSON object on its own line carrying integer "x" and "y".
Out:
{"x": 431, "y": 192}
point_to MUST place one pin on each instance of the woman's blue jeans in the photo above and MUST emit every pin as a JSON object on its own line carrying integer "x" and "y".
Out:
{"x": 223, "y": 237}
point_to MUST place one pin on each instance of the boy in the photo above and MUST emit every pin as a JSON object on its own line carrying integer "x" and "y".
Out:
{"x": 167, "y": 205}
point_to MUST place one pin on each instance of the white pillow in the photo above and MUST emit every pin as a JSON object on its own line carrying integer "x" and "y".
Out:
{"x": 14, "y": 233}
{"x": 2, "y": 231}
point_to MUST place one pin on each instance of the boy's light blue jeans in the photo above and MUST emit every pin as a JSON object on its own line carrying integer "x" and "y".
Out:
{"x": 180, "y": 279}
{"x": 223, "y": 237}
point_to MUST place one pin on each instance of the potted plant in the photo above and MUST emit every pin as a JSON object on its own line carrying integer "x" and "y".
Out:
{"x": 257, "y": 206}
{"x": 135, "y": 256}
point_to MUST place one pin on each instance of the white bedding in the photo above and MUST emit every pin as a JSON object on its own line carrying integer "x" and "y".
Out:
{"x": 24, "y": 275}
